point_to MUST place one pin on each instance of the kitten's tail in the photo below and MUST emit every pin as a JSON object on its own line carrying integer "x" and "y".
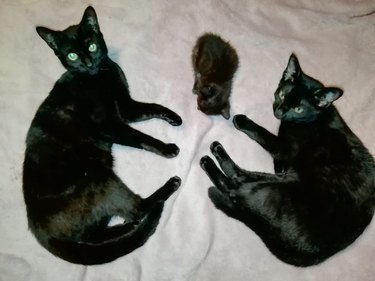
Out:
{"x": 98, "y": 252}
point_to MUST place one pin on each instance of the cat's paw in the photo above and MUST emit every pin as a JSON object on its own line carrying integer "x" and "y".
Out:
{"x": 219, "y": 152}
{"x": 204, "y": 160}
{"x": 174, "y": 120}
{"x": 174, "y": 182}
{"x": 171, "y": 150}
{"x": 240, "y": 121}
{"x": 167, "y": 189}
{"x": 215, "y": 146}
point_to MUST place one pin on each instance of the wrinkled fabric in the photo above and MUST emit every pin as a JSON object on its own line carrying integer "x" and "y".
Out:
{"x": 152, "y": 42}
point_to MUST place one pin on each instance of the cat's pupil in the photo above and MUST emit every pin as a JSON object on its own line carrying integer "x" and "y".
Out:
{"x": 72, "y": 56}
{"x": 92, "y": 47}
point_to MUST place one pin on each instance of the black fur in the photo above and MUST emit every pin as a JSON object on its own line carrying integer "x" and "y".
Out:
{"x": 70, "y": 190}
{"x": 215, "y": 63}
{"x": 322, "y": 195}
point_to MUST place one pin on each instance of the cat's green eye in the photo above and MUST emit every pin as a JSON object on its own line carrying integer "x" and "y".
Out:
{"x": 281, "y": 95}
{"x": 72, "y": 56}
{"x": 92, "y": 47}
{"x": 298, "y": 109}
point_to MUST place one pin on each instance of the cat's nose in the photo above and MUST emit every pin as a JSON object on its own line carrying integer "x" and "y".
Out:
{"x": 88, "y": 62}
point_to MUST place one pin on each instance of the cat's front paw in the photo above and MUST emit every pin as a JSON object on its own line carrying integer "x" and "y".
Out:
{"x": 174, "y": 120}
{"x": 204, "y": 160}
{"x": 174, "y": 182}
{"x": 215, "y": 146}
{"x": 171, "y": 150}
{"x": 240, "y": 121}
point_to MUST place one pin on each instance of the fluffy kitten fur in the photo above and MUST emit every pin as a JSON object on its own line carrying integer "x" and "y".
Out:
{"x": 322, "y": 195}
{"x": 70, "y": 190}
{"x": 215, "y": 63}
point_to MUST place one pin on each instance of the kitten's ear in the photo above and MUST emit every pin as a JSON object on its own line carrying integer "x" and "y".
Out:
{"x": 293, "y": 70}
{"x": 90, "y": 20}
{"x": 49, "y": 36}
{"x": 225, "y": 112}
{"x": 326, "y": 96}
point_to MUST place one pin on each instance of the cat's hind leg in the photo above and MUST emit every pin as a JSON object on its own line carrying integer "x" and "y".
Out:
{"x": 231, "y": 169}
{"x": 220, "y": 180}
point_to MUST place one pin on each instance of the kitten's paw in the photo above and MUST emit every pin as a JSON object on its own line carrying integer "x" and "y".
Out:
{"x": 171, "y": 150}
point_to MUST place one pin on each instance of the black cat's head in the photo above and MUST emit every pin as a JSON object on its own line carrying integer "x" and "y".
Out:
{"x": 79, "y": 47}
{"x": 299, "y": 97}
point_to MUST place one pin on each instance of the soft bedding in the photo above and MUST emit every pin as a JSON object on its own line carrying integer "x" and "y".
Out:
{"x": 152, "y": 41}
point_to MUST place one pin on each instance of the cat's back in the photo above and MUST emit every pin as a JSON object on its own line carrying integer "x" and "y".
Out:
{"x": 212, "y": 54}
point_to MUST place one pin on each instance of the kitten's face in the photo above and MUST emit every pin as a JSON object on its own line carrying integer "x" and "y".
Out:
{"x": 79, "y": 47}
{"x": 212, "y": 98}
{"x": 300, "y": 98}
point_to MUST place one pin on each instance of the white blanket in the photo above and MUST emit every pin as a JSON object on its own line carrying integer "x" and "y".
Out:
{"x": 152, "y": 41}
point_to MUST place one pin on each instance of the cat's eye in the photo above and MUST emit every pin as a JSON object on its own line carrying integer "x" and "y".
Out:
{"x": 92, "y": 47}
{"x": 298, "y": 109}
{"x": 281, "y": 95}
{"x": 72, "y": 56}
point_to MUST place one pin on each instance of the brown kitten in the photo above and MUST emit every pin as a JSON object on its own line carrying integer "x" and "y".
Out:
{"x": 214, "y": 61}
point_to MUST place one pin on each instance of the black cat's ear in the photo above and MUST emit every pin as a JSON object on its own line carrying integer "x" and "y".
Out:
{"x": 49, "y": 36}
{"x": 326, "y": 96}
{"x": 293, "y": 70}
{"x": 90, "y": 20}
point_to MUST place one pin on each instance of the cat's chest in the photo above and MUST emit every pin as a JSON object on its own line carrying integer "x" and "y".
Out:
{"x": 91, "y": 97}
{"x": 299, "y": 137}
{"x": 314, "y": 144}
{"x": 93, "y": 87}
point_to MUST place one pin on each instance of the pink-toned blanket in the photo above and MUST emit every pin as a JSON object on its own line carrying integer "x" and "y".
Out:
{"x": 152, "y": 41}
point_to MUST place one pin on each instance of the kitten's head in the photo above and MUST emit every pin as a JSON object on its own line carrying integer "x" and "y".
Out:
{"x": 79, "y": 47}
{"x": 213, "y": 98}
{"x": 301, "y": 98}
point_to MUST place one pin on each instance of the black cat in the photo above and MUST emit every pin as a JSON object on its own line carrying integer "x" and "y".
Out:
{"x": 322, "y": 195}
{"x": 70, "y": 189}
{"x": 215, "y": 63}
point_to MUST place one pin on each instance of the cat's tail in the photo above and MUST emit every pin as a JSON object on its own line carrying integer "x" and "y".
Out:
{"x": 127, "y": 240}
